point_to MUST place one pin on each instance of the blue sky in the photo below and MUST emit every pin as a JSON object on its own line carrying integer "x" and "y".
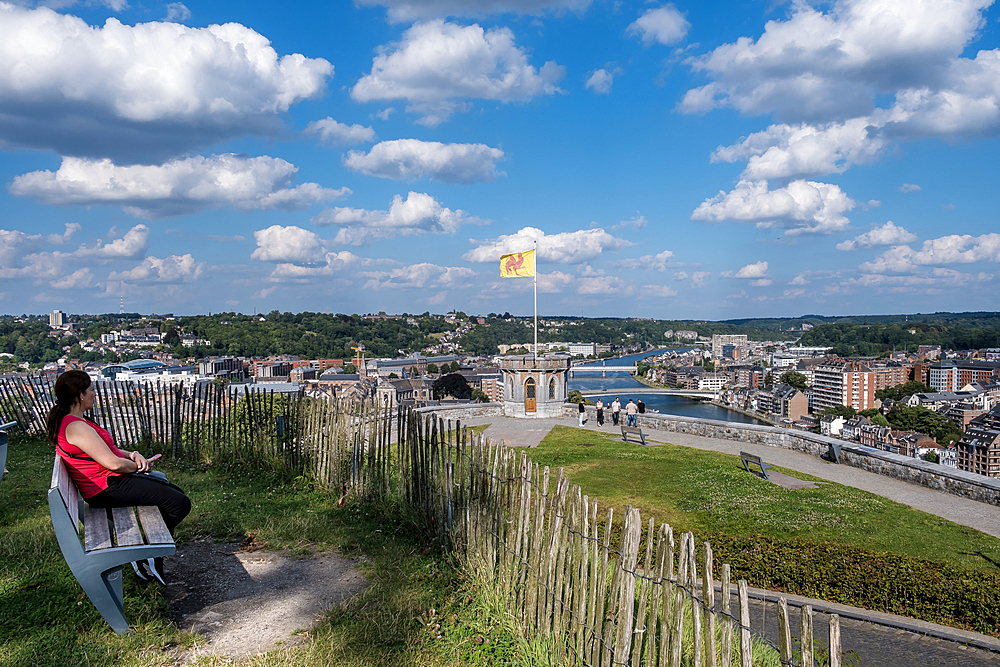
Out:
{"x": 705, "y": 160}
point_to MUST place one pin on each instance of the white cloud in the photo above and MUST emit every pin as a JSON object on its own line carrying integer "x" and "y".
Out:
{"x": 144, "y": 92}
{"x": 288, "y": 244}
{"x": 951, "y": 249}
{"x": 15, "y": 243}
{"x": 802, "y": 207}
{"x": 761, "y": 282}
{"x": 600, "y": 80}
{"x": 824, "y": 66}
{"x": 909, "y": 187}
{"x": 698, "y": 278}
{"x": 757, "y": 270}
{"x": 175, "y": 188}
{"x": 663, "y": 24}
{"x": 332, "y": 133}
{"x": 331, "y": 265}
{"x": 79, "y": 279}
{"x": 172, "y": 269}
{"x": 410, "y": 159}
{"x": 564, "y": 248}
{"x": 437, "y": 66}
{"x": 800, "y": 279}
{"x": 406, "y": 11}
{"x": 418, "y": 276}
{"x": 659, "y": 262}
{"x": 385, "y": 113}
{"x": 177, "y": 11}
{"x": 785, "y": 151}
{"x": 661, "y": 291}
{"x": 638, "y": 222}
{"x": 133, "y": 245}
{"x": 887, "y": 234}
{"x": 418, "y": 214}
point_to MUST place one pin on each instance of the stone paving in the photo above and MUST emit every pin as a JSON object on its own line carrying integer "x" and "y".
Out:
{"x": 879, "y": 639}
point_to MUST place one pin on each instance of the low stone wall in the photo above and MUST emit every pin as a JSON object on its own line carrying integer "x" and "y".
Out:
{"x": 465, "y": 411}
{"x": 915, "y": 471}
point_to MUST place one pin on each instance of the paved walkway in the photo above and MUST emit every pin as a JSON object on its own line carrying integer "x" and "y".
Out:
{"x": 869, "y": 633}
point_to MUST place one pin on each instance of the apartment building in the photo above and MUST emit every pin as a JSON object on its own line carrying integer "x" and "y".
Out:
{"x": 950, "y": 375}
{"x": 719, "y": 341}
{"x": 839, "y": 382}
{"x": 979, "y": 449}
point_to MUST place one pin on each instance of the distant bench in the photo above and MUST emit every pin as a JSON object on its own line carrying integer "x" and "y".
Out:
{"x": 3, "y": 445}
{"x": 747, "y": 459}
{"x": 111, "y": 538}
{"x": 635, "y": 431}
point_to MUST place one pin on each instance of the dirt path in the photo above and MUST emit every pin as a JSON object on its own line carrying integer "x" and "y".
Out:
{"x": 243, "y": 601}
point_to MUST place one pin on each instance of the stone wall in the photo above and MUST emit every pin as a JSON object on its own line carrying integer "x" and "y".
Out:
{"x": 465, "y": 411}
{"x": 915, "y": 471}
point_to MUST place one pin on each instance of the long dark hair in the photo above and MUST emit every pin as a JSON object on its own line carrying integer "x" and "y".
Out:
{"x": 69, "y": 387}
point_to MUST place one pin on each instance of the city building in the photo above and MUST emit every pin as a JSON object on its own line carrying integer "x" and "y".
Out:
{"x": 952, "y": 375}
{"x": 839, "y": 382}
{"x": 979, "y": 449}
{"x": 535, "y": 386}
{"x": 56, "y": 318}
{"x": 720, "y": 340}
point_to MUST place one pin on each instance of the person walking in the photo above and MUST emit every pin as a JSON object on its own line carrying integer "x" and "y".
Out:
{"x": 583, "y": 413}
{"x": 616, "y": 408}
{"x": 630, "y": 411}
{"x": 600, "y": 412}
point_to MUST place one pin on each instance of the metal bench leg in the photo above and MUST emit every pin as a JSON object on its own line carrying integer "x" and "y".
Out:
{"x": 107, "y": 596}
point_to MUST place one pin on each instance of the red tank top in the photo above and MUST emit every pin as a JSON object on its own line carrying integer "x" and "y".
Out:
{"x": 90, "y": 476}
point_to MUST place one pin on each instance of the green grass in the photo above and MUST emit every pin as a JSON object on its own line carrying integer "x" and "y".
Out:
{"x": 710, "y": 492}
{"x": 46, "y": 620}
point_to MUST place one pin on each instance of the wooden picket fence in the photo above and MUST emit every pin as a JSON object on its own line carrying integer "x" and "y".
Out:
{"x": 601, "y": 593}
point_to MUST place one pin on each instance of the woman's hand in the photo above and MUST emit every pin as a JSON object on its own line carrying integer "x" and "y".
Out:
{"x": 141, "y": 464}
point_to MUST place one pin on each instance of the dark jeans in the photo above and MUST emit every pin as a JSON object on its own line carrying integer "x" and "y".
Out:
{"x": 128, "y": 490}
{"x": 614, "y": 417}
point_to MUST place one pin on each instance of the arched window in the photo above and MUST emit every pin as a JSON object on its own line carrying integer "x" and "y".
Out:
{"x": 529, "y": 388}
{"x": 552, "y": 389}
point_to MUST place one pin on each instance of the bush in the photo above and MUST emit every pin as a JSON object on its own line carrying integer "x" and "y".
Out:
{"x": 927, "y": 590}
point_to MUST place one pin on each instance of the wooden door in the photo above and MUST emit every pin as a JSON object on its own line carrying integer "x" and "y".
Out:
{"x": 529, "y": 395}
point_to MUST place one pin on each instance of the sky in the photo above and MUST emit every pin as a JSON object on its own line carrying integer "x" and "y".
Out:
{"x": 686, "y": 160}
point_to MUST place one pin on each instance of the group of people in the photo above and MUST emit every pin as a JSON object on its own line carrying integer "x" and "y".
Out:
{"x": 631, "y": 410}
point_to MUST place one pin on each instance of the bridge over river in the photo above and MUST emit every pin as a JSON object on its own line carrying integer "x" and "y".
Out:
{"x": 603, "y": 370}
{"x": 687, "y": 393}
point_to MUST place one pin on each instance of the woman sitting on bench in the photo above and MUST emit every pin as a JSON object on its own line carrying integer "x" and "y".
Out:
{"x": 106, "y": 475}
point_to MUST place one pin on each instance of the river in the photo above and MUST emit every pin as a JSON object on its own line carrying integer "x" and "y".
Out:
{"x": 630, "y": 388}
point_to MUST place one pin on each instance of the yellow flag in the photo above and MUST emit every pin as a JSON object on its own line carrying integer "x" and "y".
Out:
{"x": 517, "y": 265}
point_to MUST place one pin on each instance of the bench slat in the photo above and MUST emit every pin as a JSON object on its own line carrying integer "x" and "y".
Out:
{"x": 127, "y": 533}
{"x": 153, "y": 525}
{"x": 96, "y": 533}
{"x": 69, "y": 493}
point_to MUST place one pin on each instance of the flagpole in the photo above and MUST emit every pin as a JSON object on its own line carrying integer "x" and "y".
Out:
{"x": 535, "y": 277}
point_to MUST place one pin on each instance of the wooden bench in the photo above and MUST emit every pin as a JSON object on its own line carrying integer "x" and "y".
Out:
{"x": 110, "y": 538}
{"x": 756, "y": 460}
{"x": 633, "y": 430}
{"x": 3, "y": 445}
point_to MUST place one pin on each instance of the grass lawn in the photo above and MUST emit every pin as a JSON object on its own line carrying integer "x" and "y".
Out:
{"x": 710, "y": 492}
{"x": 419, "y": 609}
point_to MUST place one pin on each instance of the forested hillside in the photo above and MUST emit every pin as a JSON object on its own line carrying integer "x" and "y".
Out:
{"x": 873, "y": 339}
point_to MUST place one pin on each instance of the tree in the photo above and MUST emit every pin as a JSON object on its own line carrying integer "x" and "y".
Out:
{"x": 769, "y": 379}
{"x": 901, "y": 391}
{"x": 922, "y": 420}
{"x": 793, "y": 379}
{"x": 840, "y": 410}
{"x": 432, "y": 369}
{"x": 455, "y": 366}
{"x": 451, "y": 384}
{"x": 574, "y": 396}
{"x": 350, "y": 369}
{"x": 393, "y": 376}
{"x": 480, "y": 396}
{"x": 171, "y": 338}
